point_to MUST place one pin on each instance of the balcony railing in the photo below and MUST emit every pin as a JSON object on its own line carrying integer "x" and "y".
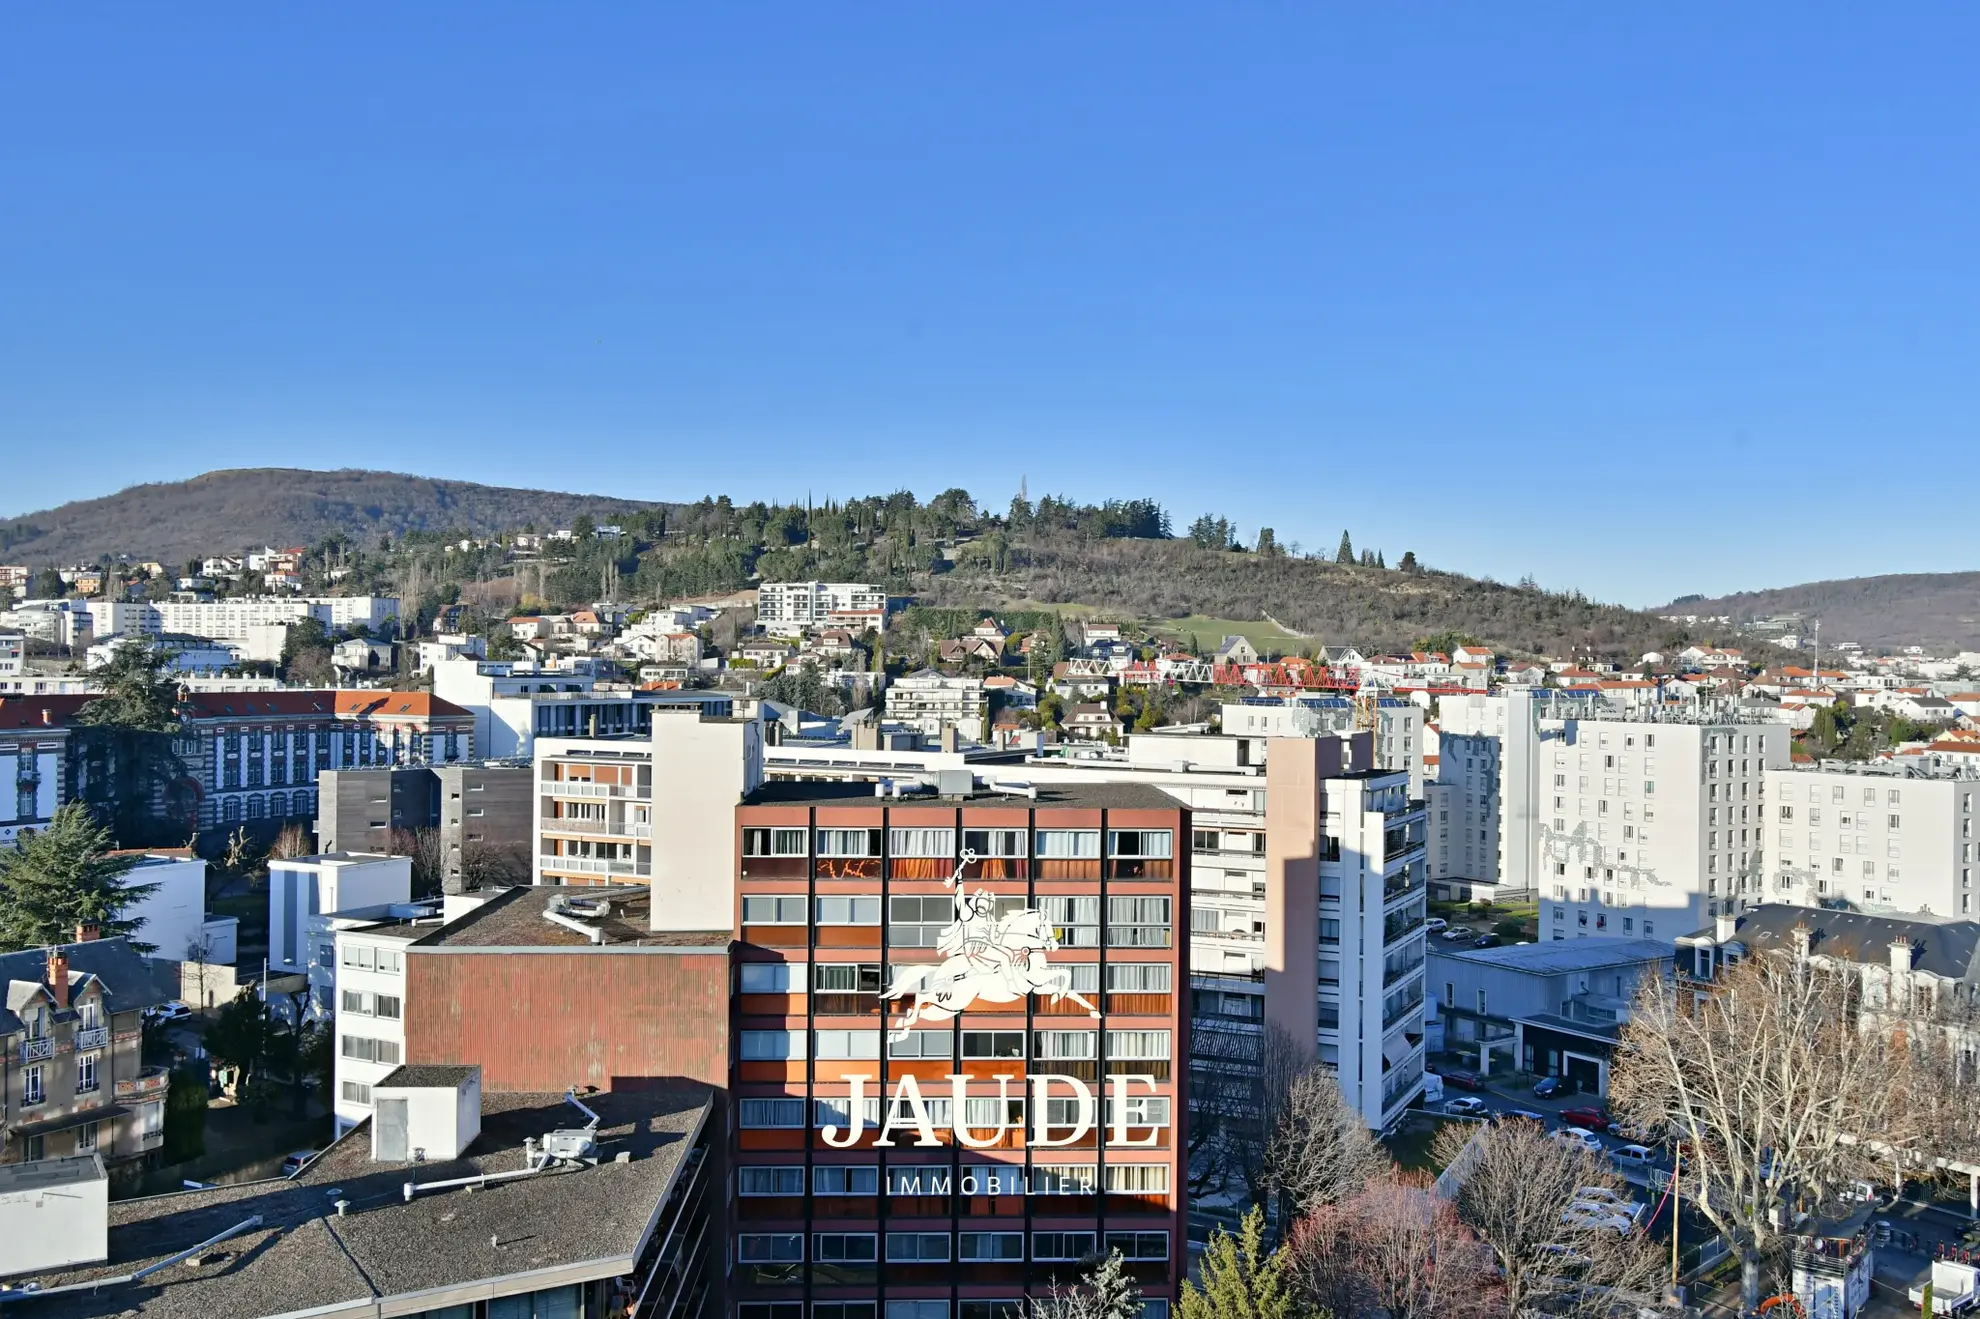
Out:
{"x": 1395, "y": 1014}
{"x": 34, "y": 1050}
{"x": 93, "y": 1038}
{"x": 591, "y": 865}
{"x": 1395, "y": 974}
{"x": 572, "y": 788}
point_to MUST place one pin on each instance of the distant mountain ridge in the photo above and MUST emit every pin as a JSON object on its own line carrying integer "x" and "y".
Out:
{"x": 226, "y": 511}
{"x": 1935, "y": 610}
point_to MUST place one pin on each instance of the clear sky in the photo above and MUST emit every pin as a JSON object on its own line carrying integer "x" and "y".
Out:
{"x": 1644, "y": 299}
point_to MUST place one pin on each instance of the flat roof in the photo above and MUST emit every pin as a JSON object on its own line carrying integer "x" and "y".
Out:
{"x": 1091, "y": 796}
{"x": 517, "y": 919}
{"x": 1549, "y": 957}
{"x": 72, "y": 1170}
{"x": 304, "y": 1257}
{"x": 422, "y": 1076}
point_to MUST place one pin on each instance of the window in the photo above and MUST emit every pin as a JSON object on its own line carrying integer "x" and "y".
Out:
{"x": 836, "y": 1111}
{"x": 845, "y": 1179}
{"x": 1142, "y": 1111}
{"x": 1076, "y": 921}
{"x": 917, "y": 1247}
{"x": 993, "y": 1044}
{"x": 87, "y": 1080}
{"x": 923, "y": 1044}
{"x": 1138, "y": 1178}
{"x": 845, "y": 1247}
{"x": 846, "y": 978}
{"x": 922, "y": 842}
{"x": 773, "y": 842}
{"x": 1012, "y": 1309}
{"x": 359, "y": 956}
{"x": 770, "y": 1247}
{"x": 847, "y": 1044}
{"x": 1139, "y": 1245}
{"x": 914, "y": 1310}
{"x": 1152, "y": 843}
{"x": 989, "y": 1246}
{"x": 86, "y": 1138}
{"x": 781, "y": 909}
{"x": 1139, "y": 978}
{"x": 1062, "y": 1245}
{"x": 369, "y": 1050}
{"x": 1068, "y": 844}
{"x": 388, "y": 960}
{"x": 849, "y": 842}
{"x": 1062, "y": 1178}
{"x": 786, "y": 1179}
{"x": 356, "y": 1092}
{"x": 769, "y": 1045}
{"x": 1137, "y": 922}
{"x": 1065, "y": 1044}
{"x": 849, "y": 911}
{"x": 765, "y": 977}
{"x": 1001, "y": 843}
{"x": 917, "y": 921}
{"x": 776, "y": 1310}
{"x": 762, "y": 1114}
{"x": 1138, "y": 1045}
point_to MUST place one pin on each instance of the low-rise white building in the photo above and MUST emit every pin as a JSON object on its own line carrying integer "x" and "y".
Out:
{"x": 788, "y": 608}
{"x": 303, "y": 887}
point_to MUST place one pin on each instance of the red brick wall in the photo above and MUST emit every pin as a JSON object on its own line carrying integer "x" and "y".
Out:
{"x": 542, "y": 1021}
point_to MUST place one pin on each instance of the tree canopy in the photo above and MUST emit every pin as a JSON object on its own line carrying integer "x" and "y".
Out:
{"x": 56, "y": 879}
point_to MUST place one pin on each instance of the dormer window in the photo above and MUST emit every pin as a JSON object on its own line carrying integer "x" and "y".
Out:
{"x": 91, "y": 1010}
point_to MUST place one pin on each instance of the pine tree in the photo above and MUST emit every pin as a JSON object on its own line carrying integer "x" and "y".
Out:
{"x": 60, "y": 877}
{"x": 1408, "y": 563}
{"x": 1378, "y": 561}
{"x": 1241, "y": 1280}
{"x": 128, "y": 731}
{"x": 1345, "y": 554}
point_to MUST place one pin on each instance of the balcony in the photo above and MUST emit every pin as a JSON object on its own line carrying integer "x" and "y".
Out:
{"x": 1395, "y": 975}
{"x": 34, "y": 1050}
{"x": 591, "y": 865}
{"x": 1410, "y": 1004}
{"x": 1399, "y": 926}
{"x": 96, "y": 1037}
{"x": 572, "y": 788}
{"x": 151, "y": 1083}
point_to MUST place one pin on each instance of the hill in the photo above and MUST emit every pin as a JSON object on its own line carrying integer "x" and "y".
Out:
{"x": 1936, "y": 610}
{"x": 227, "y": 511}
{"x": 1113, "y": 558}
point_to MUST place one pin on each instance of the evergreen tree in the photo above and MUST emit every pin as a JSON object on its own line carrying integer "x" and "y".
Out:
{"x": 57, "y": 878}
{"x": 1378, "y": 561}
{"x": 1408, "y": 563}
{"x": 125, "y": 740}
{"x": 1345, "y": 554}
{"x": 1241, "y": 1279}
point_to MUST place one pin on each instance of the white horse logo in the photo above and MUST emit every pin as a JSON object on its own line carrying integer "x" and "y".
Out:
{"x": 995, "y": 959}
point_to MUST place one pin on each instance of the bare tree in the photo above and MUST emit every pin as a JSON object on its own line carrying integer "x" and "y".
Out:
{"x": 1393, "y": 1251}
{"x": 294, "y": 840}
{"x": 1243, "y": 1088}
{"x": 428, "y": 861}
{"x": 1777, "y": 1093}
{"x": 1514, "y": 1183}
{"x": 1320, "y": 1151}
{"x": 489, "y": 865}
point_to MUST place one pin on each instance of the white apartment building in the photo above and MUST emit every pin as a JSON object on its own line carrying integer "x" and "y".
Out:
{"x": 1648, "y": 827}
{"x": 13, "y": 656}
{"x": 515, "y": 703}
{"x": 1398, "y": 726}
{"x": 788, "y": 608}
{"x": 1873, "y": 838}
{"x": 304, "y": 887}
{"x": 929, "y": 702}
{"x": 602, "y": 802}
{"x": 253, "y": 621}
{"x": 1464, "y": 825}
{"x": 368, "y": 979}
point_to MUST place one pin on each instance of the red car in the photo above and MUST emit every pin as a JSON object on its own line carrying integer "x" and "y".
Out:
{"x": 1594, "y": 1119}
{"x": 1464, "y": 1080}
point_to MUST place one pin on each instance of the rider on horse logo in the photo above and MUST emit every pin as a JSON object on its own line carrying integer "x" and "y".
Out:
{"x": 998, "y": 959}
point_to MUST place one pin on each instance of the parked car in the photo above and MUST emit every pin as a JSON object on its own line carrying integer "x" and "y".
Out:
{"x": 1594, "y": 1119}
{"x": 1521, "y": 1115}
{"x": 1592, "y": 1218}
{"x": 1552, "y": 1087}
{"x": 1603, "y": 1196}
{"x": 1636, "y": 1131}
{"x": 295, "y": 1161}
{"x": 1457, "y": 933}
{"x": 1436, "y": 925}
{"x": 168, "y": 1011}
{"x": 1467, "y": 1106}
{"x": 1464, "y": 1080}
{"x": 1634, "y": 1156}
{"x": 1487, "y": 941}
{"x": 1582, "y": 1139}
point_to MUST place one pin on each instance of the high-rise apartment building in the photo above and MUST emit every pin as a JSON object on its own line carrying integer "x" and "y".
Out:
{"x": 960, "y": 1033}
{"x": 1873, "y": 838}
{"x": 787, "y": 608}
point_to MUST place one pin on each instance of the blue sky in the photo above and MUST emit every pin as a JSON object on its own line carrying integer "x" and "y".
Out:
{"x": 1641, "y": 299}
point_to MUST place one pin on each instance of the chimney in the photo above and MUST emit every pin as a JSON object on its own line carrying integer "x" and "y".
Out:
{"x": 47, "y": 716}
{"x": 58, "y": 976}
{"x": 1901, "y": 953}
{"x": 1804, "y": 940}
{"x": 1726, "y": 926}
{"x": 87, "y": 933}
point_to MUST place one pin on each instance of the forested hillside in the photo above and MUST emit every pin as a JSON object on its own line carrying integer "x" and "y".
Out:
{"x": 371, "y": 531}
{"x": 1938, "y": 610}
{"x": 228, "y": 511}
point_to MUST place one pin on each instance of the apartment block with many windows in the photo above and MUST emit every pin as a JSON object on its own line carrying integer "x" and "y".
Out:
{"x": 1016, "y": 1107}
{"x": 787, "y": 608}
{"x": 1873, "y": 838}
